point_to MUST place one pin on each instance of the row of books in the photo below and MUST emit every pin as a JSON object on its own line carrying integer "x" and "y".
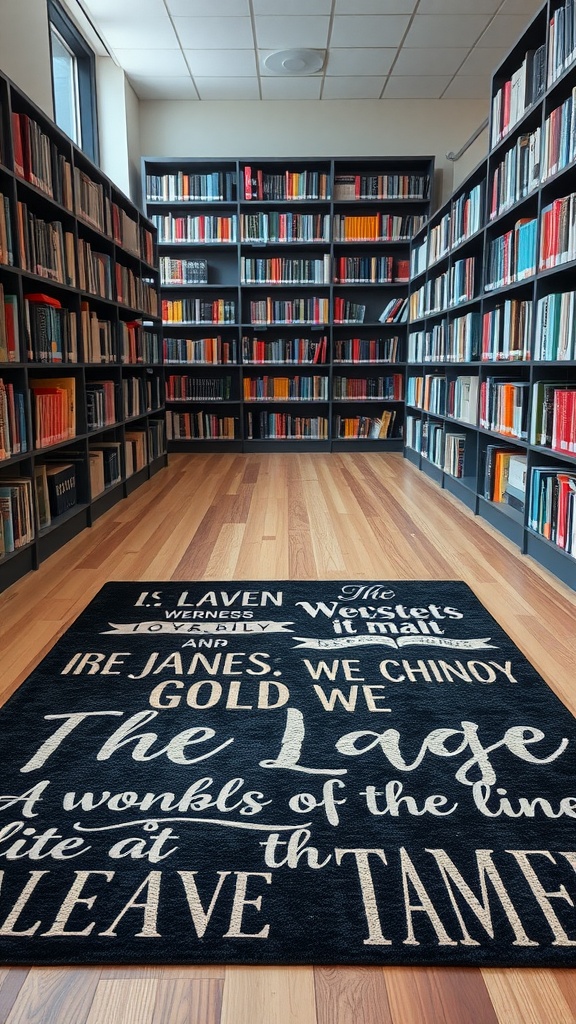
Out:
{"x": 517, "y": 174}
{"x": 390, "y": 388}
{"x": 559, "y": 139}
{"x": 17, "y": 526}
{"x": 198, "y": 311}
{"x": 454, "y": 342}
{"x": 366, "y": 350}
{"x": 439, "y": 239}
{"x": 381, "y": 186}
{"x": 552, "y": 506}
{"x": 45, "y": 248}
{"x": 506, "y": 331}
{"x": 195, "y": 228}
{"x": 285, "y": 185}
{"x": 51, "y": 334}
{"x": 183, "y": 186}
{"x": 553, "y": 416}
{"x": 518, "y": 93}
{"x": 94, "y": 271}
{"x": 198, "y": 389}
{"x": 512, "y": 256}
{"x": 276, "y": 388}
{"x": 297, "y": 310}
{"x": 558, "y": 232}
{"x": 51, "y": 330}
{"x": 278, "y": 227}
{"x": 135, "y": 291}
{"x": 375, "y": 428}
{"x": 503, "y": 406}
{"x": 431, "y": 297}
{"x": 9, "y": 328}
{"x": 102, "y": 404}
{"x": 378, "y": 227}
{"x": 284, "y": 426}
{"x": 6, "y": 238}
{"x": 371, "y": 270}
{"x": 561, "y": 40}
{"x": 13, "y": 431}
{"x": 54, "y": 409}
{"x": 467, "y": 214}
{"x": 140, "y": 395}
{"x": 38, "y": 161}
{"x": 555, "y": 336}
{"x": 199, "y": 426}
{"x": 285, "y": 270}
{"x": 92, "y": 202}
{"x": 284, "y": 350}
{"x": 211, "y": 351}
{"x": 183, "y": 270}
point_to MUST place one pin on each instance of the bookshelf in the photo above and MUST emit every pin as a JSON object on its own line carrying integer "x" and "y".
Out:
{"x": 274, "y": 274}
{"x": 491, "y": 371}
{"x": 81, "y": 385}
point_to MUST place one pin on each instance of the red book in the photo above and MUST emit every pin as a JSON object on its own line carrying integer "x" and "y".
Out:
{"x": 17, "y": 145}
{"x": 247, "y": 183}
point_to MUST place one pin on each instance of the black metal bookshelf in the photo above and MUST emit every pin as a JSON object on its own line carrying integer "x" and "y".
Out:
{"x": 305, "y": 261}
{"x": 78, "y": 316}
{"x": 520, "y": 264}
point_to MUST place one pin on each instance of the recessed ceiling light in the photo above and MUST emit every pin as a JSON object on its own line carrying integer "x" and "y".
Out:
{"x": 295, "y": 62}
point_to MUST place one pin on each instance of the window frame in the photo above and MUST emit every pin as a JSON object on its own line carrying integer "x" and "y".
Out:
{"x": 85, "y": 63}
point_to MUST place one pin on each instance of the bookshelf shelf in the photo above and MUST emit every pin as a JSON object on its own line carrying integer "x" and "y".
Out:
{"x": 523, "y": 309}
{"x": 314, "y": 242}
{"x": 81, "y": 386}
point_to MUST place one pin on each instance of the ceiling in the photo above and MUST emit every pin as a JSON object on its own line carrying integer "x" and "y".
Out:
{"x": 372, "y": 49}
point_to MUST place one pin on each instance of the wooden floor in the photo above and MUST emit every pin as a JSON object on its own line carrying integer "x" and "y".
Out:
{"x": 290, "y": 516}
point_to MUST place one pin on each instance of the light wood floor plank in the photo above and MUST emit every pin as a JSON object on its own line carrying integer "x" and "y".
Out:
{"x": 55, "y": 996}
{"x": 528, "y": 997}
{"x": 351, "y": 995}
{"x": 433, "y": 995}
{"x": 280, "y": 994}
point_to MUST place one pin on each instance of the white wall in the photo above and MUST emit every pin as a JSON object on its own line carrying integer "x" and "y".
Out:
{"x": 25, "y": 49}
{"x": 313, "y": 128}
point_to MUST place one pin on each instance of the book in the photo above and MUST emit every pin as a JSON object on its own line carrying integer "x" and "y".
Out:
{"x": 61, "y": 483}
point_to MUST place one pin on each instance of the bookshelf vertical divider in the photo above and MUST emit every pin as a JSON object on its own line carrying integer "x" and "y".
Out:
{"x": 491, "y": 366}
{"x": 274, "y": 277}
{"x": 81, "y": 383}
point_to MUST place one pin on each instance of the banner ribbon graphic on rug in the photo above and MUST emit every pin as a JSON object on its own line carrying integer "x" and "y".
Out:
{"x": 390, "y": 641}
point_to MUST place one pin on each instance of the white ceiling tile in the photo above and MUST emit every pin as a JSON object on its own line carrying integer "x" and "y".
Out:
{"x": 375, "y": 6}
{"x": 504, "y": 30}
{"x": 459, "y": 6}
{"x": 102, "y": 10}
{"x": 362, "y": 61}
{"x": 305, "y": 7}
{"x": 468, "y": 87}
{"x": 483, "y": 60}
{"x": 215, "y": 63}
{"x": 446, "y": 30}
{"x": 291, "y": 88}
{"x": 434, "y": 61}
{"x": 367, "y": 88}
{"x": 213, "y": 8}
{"x": 283, "y": 32}
{"x": 368, "y": 30}
{"x": 132, "y": 34}
{"x": 214, "y": 33}
{"x": 415, "y": 87}
{"x": 527, "y": 8}
{"x": 228, "y": 88}
{"x": 149, "y": 88}
{"x": 152, "y": 63}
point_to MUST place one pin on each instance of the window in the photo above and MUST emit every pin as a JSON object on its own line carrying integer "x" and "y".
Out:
{"x": 73, "y": 81}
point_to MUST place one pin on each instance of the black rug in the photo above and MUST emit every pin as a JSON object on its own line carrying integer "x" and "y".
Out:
{"x": 287, "y": 773}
